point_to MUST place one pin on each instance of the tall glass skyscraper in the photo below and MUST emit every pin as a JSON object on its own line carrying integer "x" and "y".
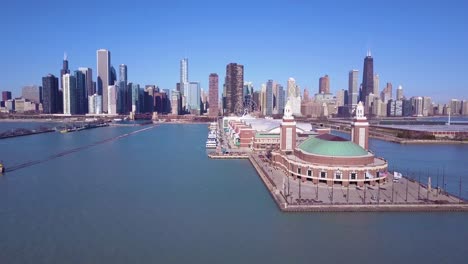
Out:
{"x": 193, "y": 98}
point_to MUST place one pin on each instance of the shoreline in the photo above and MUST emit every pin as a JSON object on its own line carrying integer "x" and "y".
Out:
{"x": 413, "y": 141}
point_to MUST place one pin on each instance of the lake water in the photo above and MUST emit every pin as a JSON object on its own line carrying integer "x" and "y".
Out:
{"x": 155, "y": 197}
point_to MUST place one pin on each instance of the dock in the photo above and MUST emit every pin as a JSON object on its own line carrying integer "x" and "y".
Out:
{"x": 228, "y": 156}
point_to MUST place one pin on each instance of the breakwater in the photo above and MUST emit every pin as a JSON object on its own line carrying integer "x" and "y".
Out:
{"x": 70, "y": 151}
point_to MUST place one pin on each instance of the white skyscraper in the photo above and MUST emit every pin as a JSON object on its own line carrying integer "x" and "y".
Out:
{"x": 294, "y": 97}
{"x": 94, "y": 104}
{"x": 69, "y": 94}
{"x": 112, "y": 99}
{"x": 376, "y": 85}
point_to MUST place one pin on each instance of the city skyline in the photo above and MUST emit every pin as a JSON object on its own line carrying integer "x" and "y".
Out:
{"x": 406, "y": 63}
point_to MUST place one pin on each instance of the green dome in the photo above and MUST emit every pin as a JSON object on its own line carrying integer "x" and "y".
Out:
{"x": 330, "y": 145}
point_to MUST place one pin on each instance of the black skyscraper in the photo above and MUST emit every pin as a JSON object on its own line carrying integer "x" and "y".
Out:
{"x": 368, "y": 76}
{"x": 64, "y": 70}
{"x": 50, "y": 94}
{"x": 80, "y": 93}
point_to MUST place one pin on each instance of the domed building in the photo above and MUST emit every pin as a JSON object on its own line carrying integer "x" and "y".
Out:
{"x": 328, "y": 158}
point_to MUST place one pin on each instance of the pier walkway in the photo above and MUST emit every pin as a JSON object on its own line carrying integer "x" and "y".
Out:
{"x": 293, "y": 195}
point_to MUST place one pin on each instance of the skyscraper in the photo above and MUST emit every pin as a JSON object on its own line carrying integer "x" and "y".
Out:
{"x": 193, "y": 98}
{"x": 69, "y": 94}
{"x": 112, "y": 99}
{"x": 64, "y": 69}
{"x": 294, "y": 96}
{"x": 31, "y": 93}
{"x": 135, "y": 98}
{"x": 399, "y": 93}
{"x": 49, "y": 94}
{"x": 306, "y": 97}
{"x": 353, "y": 88}
{"x": 89, "y": 84}
{"x": 80, "y": 101}
{"x": 184, "y": 70}
{"x": 6, "y": 95}
{"x": 234, "y": 87}
{"x": 124, "y": 93}
{"x": 387, "y": 92}
{"x": 324, "y": 84}
{"x": 213, "y": 95}
{"x": 103, "y": 76}
{"x": 368, "y": 76}
{"x": 280, "y": 98}
{"x": 269, "y": 98}
{"x": 376, "y": 85}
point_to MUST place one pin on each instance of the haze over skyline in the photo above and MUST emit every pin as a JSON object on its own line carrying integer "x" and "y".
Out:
{"x": 421, "y": 47}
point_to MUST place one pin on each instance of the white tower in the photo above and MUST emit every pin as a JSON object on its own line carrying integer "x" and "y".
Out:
{"x": 288, "y": 130}
{"x": 360, "y": 128}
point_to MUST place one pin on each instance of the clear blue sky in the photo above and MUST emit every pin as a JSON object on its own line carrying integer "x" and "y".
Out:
{"x": 420, "y": 45}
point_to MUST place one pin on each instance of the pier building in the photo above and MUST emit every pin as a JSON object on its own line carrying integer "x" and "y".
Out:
{"x": 328, "y": 158}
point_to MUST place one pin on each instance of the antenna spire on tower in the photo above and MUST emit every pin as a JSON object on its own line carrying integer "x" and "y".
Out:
{"x": 65, "y": 57}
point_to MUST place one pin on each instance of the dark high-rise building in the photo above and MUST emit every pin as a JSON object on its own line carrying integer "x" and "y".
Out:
{"x": 113, "y": 76}
{"x": 324, "y": 84}
{"x": 50, "y": 93}
{"x": 213, "y": 94}
{"x": 234, "y": 87}
{"x": 64, "y": 69}
{"x": 89, "y": 84}
{"x": 6, "y": 95}
{"x": 80, "y": 93}
{"x": 367, "y": 76}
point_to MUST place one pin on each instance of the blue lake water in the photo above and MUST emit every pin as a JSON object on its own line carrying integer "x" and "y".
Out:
{"x": 155, "y": 197}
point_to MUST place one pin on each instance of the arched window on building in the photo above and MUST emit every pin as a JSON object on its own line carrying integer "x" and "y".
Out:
{"x": 338, "y": 175}
{"x": 353, "y": 175}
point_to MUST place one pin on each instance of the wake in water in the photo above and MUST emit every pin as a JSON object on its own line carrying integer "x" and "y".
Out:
{"x": 64, "y": 153}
